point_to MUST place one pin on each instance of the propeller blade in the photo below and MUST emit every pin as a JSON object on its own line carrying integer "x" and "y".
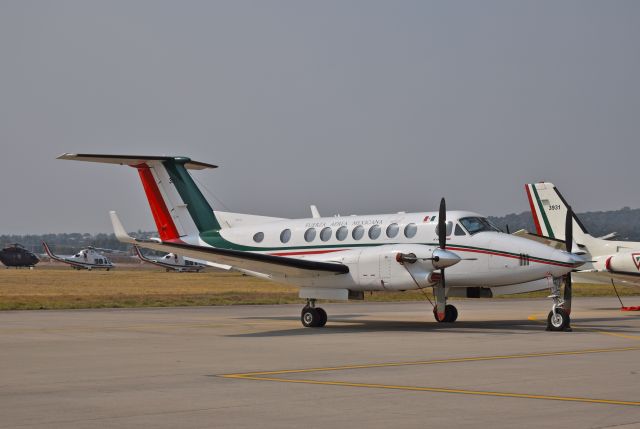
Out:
{"x": 442, "y": 227}
{"x": 568, "y": 230}
{"x": 567, "y": 293}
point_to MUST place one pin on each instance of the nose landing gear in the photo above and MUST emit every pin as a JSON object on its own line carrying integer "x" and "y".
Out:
{"x": 558, "y": 318}
{"x": 312, "y": 316}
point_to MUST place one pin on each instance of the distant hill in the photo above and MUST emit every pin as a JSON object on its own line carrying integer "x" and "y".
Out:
{"x": 626, "y": 222}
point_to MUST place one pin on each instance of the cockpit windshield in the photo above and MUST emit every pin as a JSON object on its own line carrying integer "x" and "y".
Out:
{"x": 478, "y": 224}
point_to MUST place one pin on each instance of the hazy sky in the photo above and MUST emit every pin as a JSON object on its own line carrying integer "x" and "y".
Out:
{"x": 356, "y": 106}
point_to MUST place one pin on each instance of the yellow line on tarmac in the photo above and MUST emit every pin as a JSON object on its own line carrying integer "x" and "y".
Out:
{"x": 431, "y": 362}
{"x": 441, "y": 390}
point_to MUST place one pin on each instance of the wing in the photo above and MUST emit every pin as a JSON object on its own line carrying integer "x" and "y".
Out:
{"x": 605, "y": 277}
{"x": 272, "y": 266}
{"x": 552, "y": 242}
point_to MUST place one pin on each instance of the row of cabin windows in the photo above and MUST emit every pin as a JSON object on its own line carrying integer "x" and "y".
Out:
{"x": 472, "y": 225}
{"x": 342, "y": 233}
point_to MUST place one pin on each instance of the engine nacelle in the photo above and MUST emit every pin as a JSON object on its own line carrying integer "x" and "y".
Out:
{"x": 623, "y": 262}
{"x": 380, "y": 267}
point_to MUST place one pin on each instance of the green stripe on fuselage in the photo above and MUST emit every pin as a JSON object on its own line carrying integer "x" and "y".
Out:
{"x": 197, "y": 205}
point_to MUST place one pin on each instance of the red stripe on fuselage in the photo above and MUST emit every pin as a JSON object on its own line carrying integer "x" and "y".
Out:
{"x": 533, "y": 210}
{"x": 166, "y": 228}
{"x": 505, "y": 255}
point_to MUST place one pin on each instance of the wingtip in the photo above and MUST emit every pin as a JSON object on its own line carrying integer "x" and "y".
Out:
{"x": 118, "y": 229}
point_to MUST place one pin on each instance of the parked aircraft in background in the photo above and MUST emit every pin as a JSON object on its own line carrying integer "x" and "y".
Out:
{"x": 87, "y": 259}
{"x": 339, "y": 258}
{"x": 173, "y": 262}
{"x": 610, "y": 260}
{"x": 15, "y": 255}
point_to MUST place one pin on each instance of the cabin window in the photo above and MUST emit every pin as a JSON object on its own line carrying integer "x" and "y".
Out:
{"x": 258, "y": 237}
{"x": 285, "y": 235}
{"x": 342, "y": 233}
{"x": 309, "y": 235}
{"x": 325, "y": 234}
{"x": 374, "y": 232}
{"x": 410, "y": 230}
{"x": 459, "y": 230}
{"x": 392, "y": 230}
{"x": 358, "y": 232}
{"x": 449, "y": 228}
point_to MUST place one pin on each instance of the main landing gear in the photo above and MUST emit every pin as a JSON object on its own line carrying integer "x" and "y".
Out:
{"x": 450, "y": 314}
{"x": 443, "y": 312}
{"x": 312, "y": 316}
{"x": 559, "y": 317}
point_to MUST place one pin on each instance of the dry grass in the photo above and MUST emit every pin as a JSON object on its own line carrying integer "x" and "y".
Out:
{"x": 58, "y": 288}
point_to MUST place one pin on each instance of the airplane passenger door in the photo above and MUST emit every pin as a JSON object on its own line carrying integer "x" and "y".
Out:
{"x": 385, "y": 269}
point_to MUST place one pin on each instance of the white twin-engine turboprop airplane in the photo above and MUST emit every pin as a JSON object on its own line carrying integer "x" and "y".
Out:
{"x": 609, "y": 260}
{"x": 339, "y": 258}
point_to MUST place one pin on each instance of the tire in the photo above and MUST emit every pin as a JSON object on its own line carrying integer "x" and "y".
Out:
{"x": 323, "y": 317}
{"x": 310, "y": 317}
{"x": 450, "y": 314}
{"x": 558, "y": 322}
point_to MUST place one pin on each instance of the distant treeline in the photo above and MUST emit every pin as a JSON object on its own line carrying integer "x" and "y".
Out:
{"x": 625, "y": 222}
{"x": 70, "y": 243}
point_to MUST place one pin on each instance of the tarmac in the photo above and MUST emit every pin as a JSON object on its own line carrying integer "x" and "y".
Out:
{"x": 375, "y": 365}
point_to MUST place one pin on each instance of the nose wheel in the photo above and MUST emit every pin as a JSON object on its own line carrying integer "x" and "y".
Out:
{"x": 312, "y": 316}
{"x": 559, "y": 318}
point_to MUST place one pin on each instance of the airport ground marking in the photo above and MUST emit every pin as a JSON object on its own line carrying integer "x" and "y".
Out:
{"x": 534, "y": 318}
{"x": 271, "y": 376}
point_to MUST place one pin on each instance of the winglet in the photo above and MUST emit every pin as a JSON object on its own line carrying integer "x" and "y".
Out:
{"x": 118, "y": 229}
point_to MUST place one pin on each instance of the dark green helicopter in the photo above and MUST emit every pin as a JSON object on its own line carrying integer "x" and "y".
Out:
{"x": 15, "y": 255}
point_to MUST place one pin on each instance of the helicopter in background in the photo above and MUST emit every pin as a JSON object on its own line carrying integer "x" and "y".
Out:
{"x": 15, "y": 255}
{"x": 88, "y": 259}
{"x": 173, "y": 262}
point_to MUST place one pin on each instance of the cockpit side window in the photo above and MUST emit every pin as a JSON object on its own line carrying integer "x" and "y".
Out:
{"x": 473, "y": 225}
{"x": 449, "y": 228}
{"x": 459, "y": 230}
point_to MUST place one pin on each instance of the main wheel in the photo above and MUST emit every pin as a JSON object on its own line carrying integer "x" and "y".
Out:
{"x": 450, "y": 314}
{"x": 323, "y": 317}
{"x": 311, "y": 317}
{"x": 558, "y": 321}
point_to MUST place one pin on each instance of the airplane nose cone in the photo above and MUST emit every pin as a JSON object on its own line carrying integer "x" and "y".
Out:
{"x": 444, "y": 258}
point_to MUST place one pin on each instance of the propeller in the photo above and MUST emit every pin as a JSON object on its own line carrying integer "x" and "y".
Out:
{"x": 568, "y": 239}
{"x": 442, "y": 227}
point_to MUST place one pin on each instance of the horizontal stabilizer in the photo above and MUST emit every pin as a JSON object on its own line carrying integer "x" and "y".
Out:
{"x": 134, "y": 160}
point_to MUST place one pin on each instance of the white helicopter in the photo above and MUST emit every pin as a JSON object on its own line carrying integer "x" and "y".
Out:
{"x": 87, "y": 259}
{"x": 339, "y": 258}
{"x": 173, "y": 262}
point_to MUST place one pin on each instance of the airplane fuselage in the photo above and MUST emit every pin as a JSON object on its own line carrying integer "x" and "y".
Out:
{"x": 369, "y": 246}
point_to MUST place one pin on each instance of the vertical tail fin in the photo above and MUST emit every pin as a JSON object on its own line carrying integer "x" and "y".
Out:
{"x": 549, "y": 211}
{"x": 178, "y": 207}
